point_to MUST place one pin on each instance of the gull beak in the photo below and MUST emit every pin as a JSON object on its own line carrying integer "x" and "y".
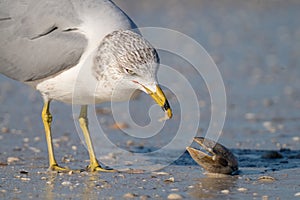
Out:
{"x": 160, "y": 98}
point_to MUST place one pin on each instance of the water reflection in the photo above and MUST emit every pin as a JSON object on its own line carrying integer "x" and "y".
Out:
{"x": 210, "y": 186}
{"x": 50, "y": 185}
{"x": 81, "y": 185}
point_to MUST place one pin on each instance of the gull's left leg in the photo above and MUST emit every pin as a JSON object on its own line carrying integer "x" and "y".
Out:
{"x": 83, "y": 121}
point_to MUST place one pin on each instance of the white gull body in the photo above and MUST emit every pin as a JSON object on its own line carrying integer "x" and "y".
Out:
{"x": 76, "y": 51}
{"x": 57, "y": 41}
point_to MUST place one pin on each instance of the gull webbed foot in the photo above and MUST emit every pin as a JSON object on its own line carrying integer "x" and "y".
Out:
{"x": 58, "y": 168}
{"x": 97, "y": 168}
{"x": 218, "y": 158}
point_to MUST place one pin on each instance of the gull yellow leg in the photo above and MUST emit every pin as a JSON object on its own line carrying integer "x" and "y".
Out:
{"x": 83, "y": 121}
{"x": 47, "y": 119}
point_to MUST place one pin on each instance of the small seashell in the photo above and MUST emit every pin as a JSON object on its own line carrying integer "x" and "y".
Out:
{"x": 118, "y": 125}
{"x": 23, "y": 172}
{"x": 129, "y": 196}
{"x": 12, "y": 159}
{"x": 66, "y": 183}
{"x": 297, "y": 194}
{"x": 225, "y": 191}
{"x": 266, "y": 178}
{"x": 242, "y": 189}
{"x": 25, "y": 179}
{"x": 160, "y": 173}
{"x": 174, "y": 196}
{"x": 170, "y": 180}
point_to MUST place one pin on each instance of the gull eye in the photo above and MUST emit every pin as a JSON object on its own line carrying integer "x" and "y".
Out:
{"x": 129, "y": 71}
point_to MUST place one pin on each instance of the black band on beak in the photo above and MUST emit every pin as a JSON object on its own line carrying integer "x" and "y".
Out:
{"x": 166, "y": 106}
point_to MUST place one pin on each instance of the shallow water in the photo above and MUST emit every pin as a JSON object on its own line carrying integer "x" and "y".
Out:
{"x": 255, "y": 45}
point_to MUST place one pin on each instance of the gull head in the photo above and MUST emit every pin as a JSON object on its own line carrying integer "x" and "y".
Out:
{"x": 125, "y": 62}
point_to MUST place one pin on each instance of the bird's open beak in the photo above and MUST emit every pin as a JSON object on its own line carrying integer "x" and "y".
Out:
{"x": 160, "y": 98}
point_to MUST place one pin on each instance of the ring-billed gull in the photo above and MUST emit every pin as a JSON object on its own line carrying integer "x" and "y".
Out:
{"x": 49, "y": 44}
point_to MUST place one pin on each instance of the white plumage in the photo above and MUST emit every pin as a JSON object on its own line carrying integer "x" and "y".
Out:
{"x": 76, "y": 51}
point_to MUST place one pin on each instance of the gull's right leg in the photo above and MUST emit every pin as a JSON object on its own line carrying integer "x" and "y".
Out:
{"x": 47, "y": 119}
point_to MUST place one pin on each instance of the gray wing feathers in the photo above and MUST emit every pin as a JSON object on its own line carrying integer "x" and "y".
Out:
{"x": 35, "y": 41}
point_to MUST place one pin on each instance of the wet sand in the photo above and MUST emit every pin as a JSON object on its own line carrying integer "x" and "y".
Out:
{"x": 255, "y": 46}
